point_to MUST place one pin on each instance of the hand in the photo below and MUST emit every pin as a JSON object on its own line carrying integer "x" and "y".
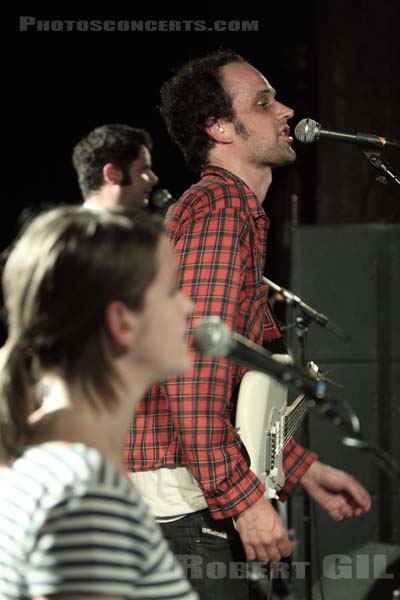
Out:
{"x": 335, "y": 491}
{"x": 263, "y": 535}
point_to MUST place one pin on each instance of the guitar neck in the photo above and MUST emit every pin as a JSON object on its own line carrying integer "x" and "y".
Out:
{"x": 296, "y": 412}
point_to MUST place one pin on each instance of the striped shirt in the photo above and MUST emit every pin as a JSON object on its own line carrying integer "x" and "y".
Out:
{"x": 71, "y": 523}
{"x": 219, "y": 230}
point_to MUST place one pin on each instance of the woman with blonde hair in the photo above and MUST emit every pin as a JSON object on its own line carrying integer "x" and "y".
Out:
{"x": 94, "y": 318}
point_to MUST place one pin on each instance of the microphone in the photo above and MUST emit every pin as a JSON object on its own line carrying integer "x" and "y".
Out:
{"x": 161, "y": 198}
{"x": 214, "y": 339}
{"x": 308, "y": 131}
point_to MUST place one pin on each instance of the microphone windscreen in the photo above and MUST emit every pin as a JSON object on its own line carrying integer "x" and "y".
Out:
{"x": 212, "y": 337}
{"x": 161, "y": 198}
{"x": 306, "y": 131}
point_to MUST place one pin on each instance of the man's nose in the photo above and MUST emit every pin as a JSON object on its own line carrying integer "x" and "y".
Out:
{"x": 154, "y": 179}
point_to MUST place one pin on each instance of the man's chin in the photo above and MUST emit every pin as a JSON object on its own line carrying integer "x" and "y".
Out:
{"x": 283, "y": 161}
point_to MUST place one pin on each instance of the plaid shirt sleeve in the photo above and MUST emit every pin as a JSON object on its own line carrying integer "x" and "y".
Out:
{"x": 296, "y": 461}
{"x": 212, "y": 257}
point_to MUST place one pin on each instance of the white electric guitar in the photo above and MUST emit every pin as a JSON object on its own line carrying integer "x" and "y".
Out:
{"x": 265, "y": 423}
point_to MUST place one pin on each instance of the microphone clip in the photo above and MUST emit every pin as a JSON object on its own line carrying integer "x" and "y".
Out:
{"x": 374, "y": 157}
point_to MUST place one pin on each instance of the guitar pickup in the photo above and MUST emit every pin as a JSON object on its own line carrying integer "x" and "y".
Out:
{"x": 270, "y": 450}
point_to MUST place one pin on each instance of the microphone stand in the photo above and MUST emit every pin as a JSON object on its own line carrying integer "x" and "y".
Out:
{"x": 327, "y": 404}
{"x": 302, "y": 322}
{"x": 374, "y": 157}
{"x": 329, "y": 410}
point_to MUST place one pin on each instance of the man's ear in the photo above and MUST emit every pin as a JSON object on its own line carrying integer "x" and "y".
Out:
{"x": 121, "y": 324}
{"x": 111, "y": 174}
{"x": 219, "y": 131}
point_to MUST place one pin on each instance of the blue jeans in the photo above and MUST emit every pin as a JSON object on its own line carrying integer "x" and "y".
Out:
{"x": 212, "y": 557}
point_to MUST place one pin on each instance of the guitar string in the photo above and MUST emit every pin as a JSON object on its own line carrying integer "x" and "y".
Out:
{"x": 292, "y": 421}
{"x": 292, "y": 417}
{"x": 293, "y": 425}
{"x": 299, "y": 413}
{"x": 289, "y": 432}
{"x": 295, "y": 418}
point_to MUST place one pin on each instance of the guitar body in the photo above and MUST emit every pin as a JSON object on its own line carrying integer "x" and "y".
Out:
{"x": 265, "y": 422}
{"x": 260, "y": 421}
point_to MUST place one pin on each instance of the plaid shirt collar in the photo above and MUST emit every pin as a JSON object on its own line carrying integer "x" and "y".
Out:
{"x": 214, "y": 172}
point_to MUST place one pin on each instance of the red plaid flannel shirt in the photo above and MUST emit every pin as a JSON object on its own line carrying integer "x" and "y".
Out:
{"x": 219, "y": 230}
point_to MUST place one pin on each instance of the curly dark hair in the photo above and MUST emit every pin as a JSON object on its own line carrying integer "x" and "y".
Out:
{"x": 191, "y": 97}
{"x": 113, "y": 143}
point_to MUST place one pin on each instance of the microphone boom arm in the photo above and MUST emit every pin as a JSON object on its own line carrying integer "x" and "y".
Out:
{"x": 318, "y": 317}
{"x": 213, "y": 338}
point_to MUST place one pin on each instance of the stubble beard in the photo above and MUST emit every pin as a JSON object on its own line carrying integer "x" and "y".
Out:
{"x": 273, "y": 157}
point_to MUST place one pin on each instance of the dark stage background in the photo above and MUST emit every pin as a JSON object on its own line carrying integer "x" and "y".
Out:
{"x": 336, "y": 62}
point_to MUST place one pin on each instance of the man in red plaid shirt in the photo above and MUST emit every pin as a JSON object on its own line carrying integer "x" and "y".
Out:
{"x": 184, "y": 451}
